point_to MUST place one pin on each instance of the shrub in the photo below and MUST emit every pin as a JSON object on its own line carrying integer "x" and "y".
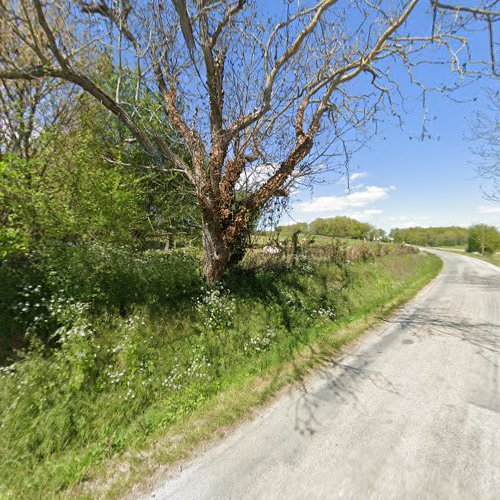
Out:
{"x": 35, "y": 293}
{"x": 483, "y": 239}
{"x": 111, "y": 276}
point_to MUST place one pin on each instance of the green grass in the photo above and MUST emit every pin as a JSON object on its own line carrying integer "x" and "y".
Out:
{"x": 455, "y": 248}
{"x": 492, "y": 259}
{"x": 69, "y": 425}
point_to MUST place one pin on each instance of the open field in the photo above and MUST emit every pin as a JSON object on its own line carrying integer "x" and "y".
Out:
{"x": 457, "y": 248}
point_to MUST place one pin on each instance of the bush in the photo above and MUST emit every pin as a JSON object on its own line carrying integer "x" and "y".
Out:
{"x": 308, "y": 252}
{"x": 483, "y": 239}
{"x": 118, "y": 277}
{"x": 37, "y": 293}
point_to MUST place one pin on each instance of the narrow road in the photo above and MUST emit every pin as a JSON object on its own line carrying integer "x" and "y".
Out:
{"x": 412, "y": 412}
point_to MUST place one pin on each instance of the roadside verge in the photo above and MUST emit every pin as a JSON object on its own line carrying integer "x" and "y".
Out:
{"x": 396, "y": 279}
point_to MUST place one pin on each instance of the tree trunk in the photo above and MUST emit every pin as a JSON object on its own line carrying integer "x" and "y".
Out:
{"x": 220, "y": 251}
{"x": 169, "y": 244}
{"x": 216, "y": 254}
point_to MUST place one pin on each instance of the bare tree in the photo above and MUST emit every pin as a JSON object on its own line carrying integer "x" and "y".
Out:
{"x": 258, "y": 97}
{"x": 19, "y": 101}
{"x": 30, "y": 107}
{"x": 485, "y": 134}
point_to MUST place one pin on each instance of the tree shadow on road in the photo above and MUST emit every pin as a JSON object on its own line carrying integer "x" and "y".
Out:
{"x": 340, "y": 380}
{"x": 436, "y": 322}
{"x": 336, "y": 381}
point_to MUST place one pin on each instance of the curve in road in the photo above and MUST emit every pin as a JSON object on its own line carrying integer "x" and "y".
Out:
{"x": 413, "y": 411}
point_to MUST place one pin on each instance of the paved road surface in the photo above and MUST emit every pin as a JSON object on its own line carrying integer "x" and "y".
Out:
{"x": 413, "y": 412}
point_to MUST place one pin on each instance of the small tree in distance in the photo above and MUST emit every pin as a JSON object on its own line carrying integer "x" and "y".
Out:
{"x": 431, "y": 236}
{"x": 483, "y": 239}
{"x": 485, "y": 134}
{"x": 341, "y": 227}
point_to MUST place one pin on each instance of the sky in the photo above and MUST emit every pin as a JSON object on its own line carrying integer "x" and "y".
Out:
{"x": 398, "y": 180}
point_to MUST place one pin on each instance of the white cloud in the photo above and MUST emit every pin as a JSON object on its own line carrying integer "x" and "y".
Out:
{"x": 358, "y": 199}
{"x": 356, "y": 187}
{"x": 372, "y": 211}
{"x": 489, "y": 209}
{"x": 357, "y": 175}
{"x": 363, "y": 215}
{"x": 251, "y": 179}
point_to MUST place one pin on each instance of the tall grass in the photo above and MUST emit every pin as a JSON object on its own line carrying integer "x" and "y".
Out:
{"x": 94, "y": 381}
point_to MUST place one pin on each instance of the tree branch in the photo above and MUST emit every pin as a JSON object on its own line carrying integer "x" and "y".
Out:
{"x": 465, "y": 8}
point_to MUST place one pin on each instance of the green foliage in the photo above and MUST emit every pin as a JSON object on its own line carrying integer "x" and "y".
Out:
{"x": 71, "y": 195}
{"x": 107, "y": 278}
{"x": 108, "y": 382}
{"x": 376, "y": 235}
{"x": 431, "y": 236}
{"x": 340, "y": 227}
{"x": 289, "y": 230}
{"x": 15, "y": 211}
{"x": 113, "y": 276}
{"x": 483, "y": 239}
{"x": 97, "y": 188}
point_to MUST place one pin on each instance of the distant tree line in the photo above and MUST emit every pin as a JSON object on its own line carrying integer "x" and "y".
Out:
{"x": 337, "y": 227}
{"x": 479, "y": 238}
{"x": 431, "y": 236}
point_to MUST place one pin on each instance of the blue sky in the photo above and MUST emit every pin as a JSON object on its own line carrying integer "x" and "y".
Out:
{"x": 402, "y": 182}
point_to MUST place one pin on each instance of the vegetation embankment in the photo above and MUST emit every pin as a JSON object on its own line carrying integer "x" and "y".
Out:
{"x": 135, "y": 349}
{"x": 492, "y": 259}
{"x": 108, "y": 343}
{"x": 483, "y": 242}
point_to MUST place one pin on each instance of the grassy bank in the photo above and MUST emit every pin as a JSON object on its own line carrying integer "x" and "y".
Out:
{"x": 492, "y": 259}
{"x": 114, "y": 395}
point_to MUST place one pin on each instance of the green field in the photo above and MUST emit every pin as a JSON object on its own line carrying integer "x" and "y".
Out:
{"x": 456, "y": 248}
